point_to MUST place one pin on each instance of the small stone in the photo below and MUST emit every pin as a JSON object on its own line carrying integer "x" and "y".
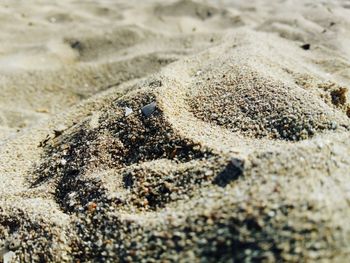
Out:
{"x": 76, "y": 45}
{"x": 334, "y": 125}
{"x": 233, "y": 170}
{"x": 148, "y": 109}
{"x": 305, "y": 46}
{"x": 92, "y": 206}
{"x": 128, "y": 111}
{"x": 209, "y": 173}
{"x": 271, "y": 213}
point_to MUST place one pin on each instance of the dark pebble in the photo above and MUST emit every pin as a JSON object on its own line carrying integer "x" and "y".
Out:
{"x": 148, "y": 109}
{"x": 76, "y": 45}
{"x": 231, "y": 172}
{"x": 306, "y": 46}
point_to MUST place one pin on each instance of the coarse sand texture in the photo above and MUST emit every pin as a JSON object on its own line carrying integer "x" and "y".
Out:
{"x": 175, "y": 131}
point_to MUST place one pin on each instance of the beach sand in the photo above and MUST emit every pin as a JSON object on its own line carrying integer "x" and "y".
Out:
{"x": 174, "y": 131}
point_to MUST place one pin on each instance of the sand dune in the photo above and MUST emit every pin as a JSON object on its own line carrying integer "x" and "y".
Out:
{"x": 174, "y": 131}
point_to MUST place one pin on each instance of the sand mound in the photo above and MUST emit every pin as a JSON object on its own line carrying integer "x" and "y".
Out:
{"x": 216, "y": 138}
{"x": 245, "y": 99}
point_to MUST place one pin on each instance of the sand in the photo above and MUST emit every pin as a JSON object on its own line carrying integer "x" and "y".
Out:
{"x": 174, "y": 131}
